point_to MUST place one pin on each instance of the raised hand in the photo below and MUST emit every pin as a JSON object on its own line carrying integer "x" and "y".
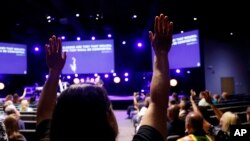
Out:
{"x": 193, "y": 94}
{"x": 54, "y": 57}
{"x": 161, "y": 40}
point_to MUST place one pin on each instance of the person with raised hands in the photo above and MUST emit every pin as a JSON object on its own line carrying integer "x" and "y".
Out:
{"x": 153, "y": 124}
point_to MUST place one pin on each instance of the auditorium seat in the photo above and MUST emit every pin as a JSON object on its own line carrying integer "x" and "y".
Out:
{"x": 28, "y": 117}
{"x": 29, "y": 134}
{"x": 30, "y": 124}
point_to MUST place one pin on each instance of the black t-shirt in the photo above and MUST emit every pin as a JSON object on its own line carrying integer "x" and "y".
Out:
{"x": 147, "y": 133}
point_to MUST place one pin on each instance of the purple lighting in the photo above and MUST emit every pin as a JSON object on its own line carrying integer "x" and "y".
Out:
{"x": 68, "y": 77}
{"x": 78, "y": 38}
{"x": 93, "y": 38}
{"x": 109, "y": 35}
{"x": 106, "y": 75}
{"x": 126, "y": 74}
{"x": 126, "y": 79}
{"x": 139, "y": 44}
{"x": 63, "y": 37}
{"x": 36, "y": 48}
{"x": 123, "y": 42}
{"x": 177, "y": 70}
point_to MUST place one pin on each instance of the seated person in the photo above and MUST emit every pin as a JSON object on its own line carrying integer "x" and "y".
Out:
{"x": 12, "y": 129}
{"x": 203, "y": 101}
{"x": 194, "y": 128}
{"x": 11, "y": 110}
{"x": 175, "y": 126}
{"x": 24, "y": 106}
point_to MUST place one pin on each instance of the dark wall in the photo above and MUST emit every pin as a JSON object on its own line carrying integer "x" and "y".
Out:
{"x": 225, "y": 58}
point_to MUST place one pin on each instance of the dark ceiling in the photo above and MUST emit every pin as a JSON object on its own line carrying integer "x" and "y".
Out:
{"x": 25, "y": 20}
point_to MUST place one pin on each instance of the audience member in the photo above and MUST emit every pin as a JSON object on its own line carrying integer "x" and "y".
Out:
{"x": 91, "y": 104}
{"x": 248, "y": 114}
{"x": 194, "y": 128}
{"x": 202, "y": 101}
{"x": 3, "y": 133}
{"x": 11, "y": 110}
{"x": 184, "y": 108}
{"x": 12, "y": 129}
{"x": 24, "y": 106}
{"x": 175, "y": 126}
{"x": 216, "y": 99}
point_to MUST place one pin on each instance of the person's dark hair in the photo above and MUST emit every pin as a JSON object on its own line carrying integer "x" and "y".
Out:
{"x": 195, "y": 120}
{"x": 81, "y": 113}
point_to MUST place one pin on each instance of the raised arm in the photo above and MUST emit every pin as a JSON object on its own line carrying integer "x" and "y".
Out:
{"x": 161, "y": 42}
{"x": 218, "y": 113}
{"x": 55, "y": 62}
{"x": 23, "y": 95}
{"x": 206, "y": 124}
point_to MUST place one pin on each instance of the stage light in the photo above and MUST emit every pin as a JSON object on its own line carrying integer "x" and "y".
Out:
{"x": 178, "y": 71}
{"x": 126, "y": 79}
{"x": 198, "y": 64}
{"x": 126, "y": 74}
{"x": 82, "y": 80}
{"x": 63, "y": 37}
{"x": 68, "y": 77}
{"x": 2, "y": 85}
{"x": 95, "y": 74}
{"x": 134, "y": 17}
{"x": 36, "y": 49}
{"x": 195, "y": 19}
{"x": 48, "y": 17}
{"x": 117, "y": 80}
{"x": 231, "y": 33}
{"x": 173, "y": 82}
{"x": 76, "y": 81}
{"x": 92, "y": 80}
{"x": 76, "y": 75}
{"x": 106, "y": 75}
{"x": 114, "y": 74}
{"x": 93, "y": 38}
{"x": 142, "y": 90}
{"x": 78, "y": 38}
{"x": 77, "y": 15}
{"x": 139, "y": 44}
{"x": 124, "y": 42}
{"x": 49, "y": 21}
{"x": 188, "y": 72}
{"x": 109, "y": 35}
{"x": 47, "y": 76}
{"x": 182, "y": 31}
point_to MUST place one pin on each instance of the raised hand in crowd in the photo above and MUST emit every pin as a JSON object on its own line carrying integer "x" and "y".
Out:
{"x": 161, "y": 41}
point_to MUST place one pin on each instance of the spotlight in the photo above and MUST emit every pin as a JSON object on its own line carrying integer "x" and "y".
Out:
{"x": 124, "y": 42}
{"x": 78, "y": 38}
{"x": 2, "y": 85}
{"x": 63, "y": 37}
{"x": 106, "y": 75}
{"x": 68, "y": 77}
{"x": 117, "y": 80}
{"x": 76, "y": 81}
{"x": 109, "y": 35}
{"x": 178, "y": 71}
{"x": 126, "y": 79}
{"x": 126, "y": 74}
{"x": 36, "y": 49}
{"x": 114, "y": 74}
{"x": 173, "y": 82}
{"x": 93, "y": 38}
{"x": 139, "y": 44}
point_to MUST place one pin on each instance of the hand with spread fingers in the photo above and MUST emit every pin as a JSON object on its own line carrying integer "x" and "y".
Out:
{"x": 161, "y": 40}
{"x": 54, "y": 57}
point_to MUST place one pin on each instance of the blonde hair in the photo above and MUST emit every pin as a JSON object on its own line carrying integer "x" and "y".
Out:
{"x": 24, "y": 105}
{"x": 227, "y": 119}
